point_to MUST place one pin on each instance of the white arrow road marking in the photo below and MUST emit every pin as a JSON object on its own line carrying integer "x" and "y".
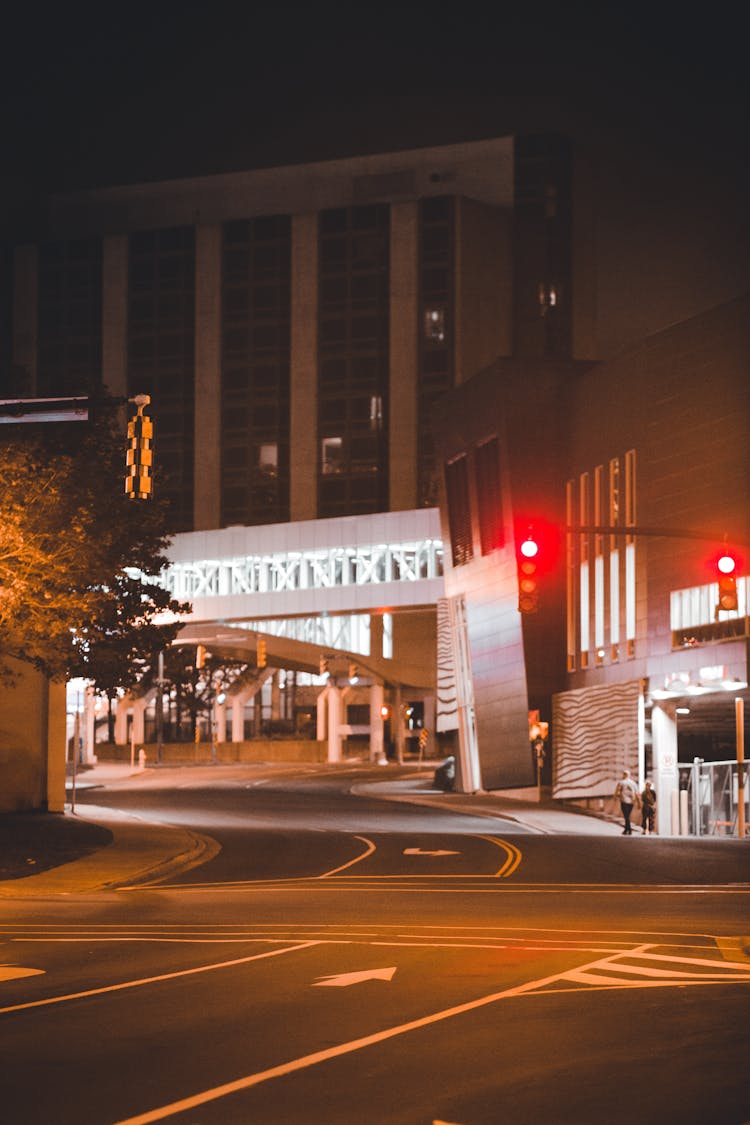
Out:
{"x": 418, "y": 851}
{"x": 13, "y": 972}
{"x": 341, "y": 980}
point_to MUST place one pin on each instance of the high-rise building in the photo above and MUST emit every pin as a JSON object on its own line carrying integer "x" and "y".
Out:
{"x": 335, "y": 349}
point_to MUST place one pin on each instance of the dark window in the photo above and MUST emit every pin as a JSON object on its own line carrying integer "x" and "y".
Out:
{"x": 434, "y": 333}
{"x": 489, "y": 499}
{"x": 161, "y": 356}
{"x": 459, "y": 512}
{"x": 256, "y": 327}
{"x": 353, "y": 343}
{"x": 69, "y": 360}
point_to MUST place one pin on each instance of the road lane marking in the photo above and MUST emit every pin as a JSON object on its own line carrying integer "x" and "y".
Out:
{"x": 343, "y": 980}
{"x": 513, "y": 853}
{"x": 618, "y": 970}
{"x": 15, "y": 972}
{"x": 357, "y": 859}
{"x": 735, "y": 948}
{"x": 536, "y": 987}
{"x": 155, "y": 980}
{"x": 418, "y": 851}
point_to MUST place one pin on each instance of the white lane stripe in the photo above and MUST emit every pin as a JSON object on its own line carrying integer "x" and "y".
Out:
{"x": 156, "y": 979}
{"x": 316, "y": 1057}
{"x": 357, "y": 859}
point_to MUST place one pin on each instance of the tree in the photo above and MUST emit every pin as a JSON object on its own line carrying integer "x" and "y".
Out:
{"x": 79, "y": 559}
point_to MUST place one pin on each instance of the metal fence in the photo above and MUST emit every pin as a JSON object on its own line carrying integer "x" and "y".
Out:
{"x": 711, "y": 792}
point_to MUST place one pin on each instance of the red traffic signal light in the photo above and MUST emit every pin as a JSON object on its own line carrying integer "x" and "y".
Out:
{"x": 528, "y": 574}
{"x": 726, "y": 565}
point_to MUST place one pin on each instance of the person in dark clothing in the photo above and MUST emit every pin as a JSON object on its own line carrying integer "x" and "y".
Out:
{"x": 648, "y": 807}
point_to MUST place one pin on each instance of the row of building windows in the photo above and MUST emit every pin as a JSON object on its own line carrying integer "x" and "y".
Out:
{"x": 353, "y": 352}
{"x": 601, "y": 574}
{"x": 472, "y": 486}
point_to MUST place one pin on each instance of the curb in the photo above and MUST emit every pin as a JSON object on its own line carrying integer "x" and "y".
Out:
{"x": 140, "y": 852}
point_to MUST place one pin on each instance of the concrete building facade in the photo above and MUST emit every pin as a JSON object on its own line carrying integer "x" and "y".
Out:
{"x": 465, "y": 327}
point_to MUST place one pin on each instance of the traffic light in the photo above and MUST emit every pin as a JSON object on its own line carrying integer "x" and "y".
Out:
{"x": 353, "y": 673}
{"x": 139, "y": 459}
{"x": 726, "y": 566}
{"x": 528, "y": 574}
{"x": 324, "y": 666}
{"x": 260, "y": 652}
{"x": 200, "y": 656}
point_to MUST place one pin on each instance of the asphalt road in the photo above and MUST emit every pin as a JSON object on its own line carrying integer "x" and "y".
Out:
{"x": 343, "y": 960}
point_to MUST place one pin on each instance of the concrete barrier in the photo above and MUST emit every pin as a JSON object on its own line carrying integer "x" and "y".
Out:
{"x": 227, "y": 753}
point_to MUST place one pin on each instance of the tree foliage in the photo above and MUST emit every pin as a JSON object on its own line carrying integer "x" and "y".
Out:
{"x": 78, "y": 558}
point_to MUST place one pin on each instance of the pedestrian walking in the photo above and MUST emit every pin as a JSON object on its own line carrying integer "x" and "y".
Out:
{"x": 626, "y": 793}
{"x": 648, "y": 809}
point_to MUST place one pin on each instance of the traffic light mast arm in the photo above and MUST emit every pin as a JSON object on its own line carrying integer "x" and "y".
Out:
{"x": 636, "y": 529}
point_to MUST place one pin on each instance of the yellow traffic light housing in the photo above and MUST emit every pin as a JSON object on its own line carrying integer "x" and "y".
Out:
{"x": 139, "y": 459}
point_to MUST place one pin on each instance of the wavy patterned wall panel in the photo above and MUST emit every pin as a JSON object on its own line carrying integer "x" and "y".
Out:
{"x": 447, "y": 702}
{"x": 595, "y": 733}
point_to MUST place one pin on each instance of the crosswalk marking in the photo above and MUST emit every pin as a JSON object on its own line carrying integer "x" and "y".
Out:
{"x": 635, "y": 969}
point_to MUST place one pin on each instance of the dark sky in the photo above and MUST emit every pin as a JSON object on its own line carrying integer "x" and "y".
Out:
{"x": 118, "y": 93}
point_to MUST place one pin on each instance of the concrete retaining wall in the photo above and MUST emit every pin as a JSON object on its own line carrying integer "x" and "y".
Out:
{"x": 186, "y": 753}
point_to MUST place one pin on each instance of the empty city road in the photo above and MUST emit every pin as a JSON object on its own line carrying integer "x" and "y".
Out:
{"x": 346, "y": 959}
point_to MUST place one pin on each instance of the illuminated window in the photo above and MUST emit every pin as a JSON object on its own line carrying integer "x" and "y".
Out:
{"x": 332, "y": 455}
{"x": 434, "y": 324}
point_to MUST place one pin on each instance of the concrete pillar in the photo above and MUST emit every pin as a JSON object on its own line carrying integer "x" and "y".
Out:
{"x": 121, "y": 720}
{"x": 321, "y": 714}
{"x": 376, "y": 634}
{"x": 404, "y": 325}
{"x": 207, "y": 482}
{"x": 139, "y": 715}
{"x": 397, "y": 725}
{"x": 377, "y": 752}
{"x": 89, "y": 726}
{"x": 238, "y": 715}
{"x": 666, "y": 774}
{"x": 275, "y": 697}
{"x": 303, "y": 484}
{"x": 115, "y": 314}
{"x": 220, "y": 714}
{"x": 25, "y": 314}
{"x": 334, "y": 724}
{"x": 429, "y": 721}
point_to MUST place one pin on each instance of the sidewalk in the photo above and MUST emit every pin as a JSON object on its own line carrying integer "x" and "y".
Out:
{"x": 97, "y": 848}
{"x": 138, "y": 850}
{"x": 546, "y": 817}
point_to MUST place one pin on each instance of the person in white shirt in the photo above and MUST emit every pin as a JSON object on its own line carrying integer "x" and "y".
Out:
{"x": 626, "y": 793}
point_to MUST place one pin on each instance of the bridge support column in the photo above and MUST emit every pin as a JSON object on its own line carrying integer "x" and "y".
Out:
{"x": 89, "y": 726}
{"x": 334, "y": 724}
{"x": 376, "y": 723}
{"x": 220, "y": 712}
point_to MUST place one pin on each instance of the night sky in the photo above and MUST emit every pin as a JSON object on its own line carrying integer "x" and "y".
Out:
{"x": 121, "y": 93}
